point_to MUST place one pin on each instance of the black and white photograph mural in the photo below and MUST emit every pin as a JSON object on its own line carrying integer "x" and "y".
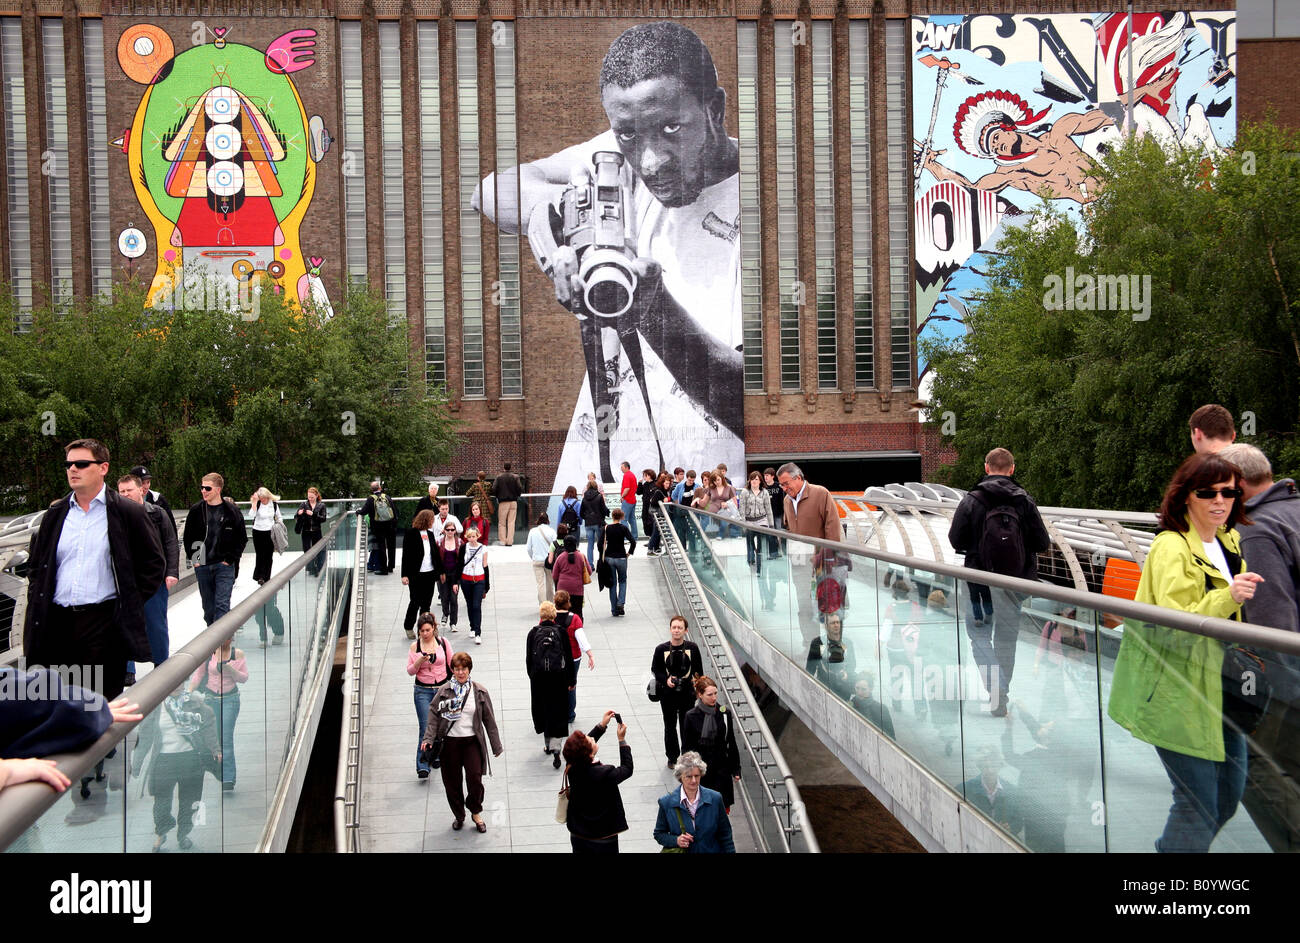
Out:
{"x": 632, "y": 211}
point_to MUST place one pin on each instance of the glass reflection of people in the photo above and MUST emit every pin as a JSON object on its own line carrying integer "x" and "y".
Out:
{"x": 218, "y": 681}
{"x": 177, "y": 741}
{"x": 864, "y": 702}
{"x": 830, "y": 657}
{"x": 988, "y": 793}
{"x": 680, "y": 178}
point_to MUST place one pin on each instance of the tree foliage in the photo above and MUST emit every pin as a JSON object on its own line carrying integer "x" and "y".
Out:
{"x": 1094, "y": 403}
{"x": 282, "y": 400}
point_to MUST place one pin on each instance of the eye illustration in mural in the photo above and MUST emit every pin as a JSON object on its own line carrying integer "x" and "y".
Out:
{"x": 223, "y": 160}
{"x": 1014, "y": 107}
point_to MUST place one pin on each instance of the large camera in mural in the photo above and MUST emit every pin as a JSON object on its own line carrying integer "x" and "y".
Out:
{"x": 594, "y": 228}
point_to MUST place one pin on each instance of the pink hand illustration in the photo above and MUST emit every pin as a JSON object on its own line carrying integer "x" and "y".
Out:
{"x": 292, "y": 52}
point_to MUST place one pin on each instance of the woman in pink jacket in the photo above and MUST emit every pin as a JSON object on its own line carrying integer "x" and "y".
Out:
{"x": 571, "y": 572}
{"x": 219, "y": 681}
{"x": 429, "y": 662}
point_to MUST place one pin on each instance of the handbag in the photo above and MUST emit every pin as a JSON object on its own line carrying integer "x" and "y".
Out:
{"x": 1246, "y": 688}
{"x": 562, "y": 800}
{"x": 586, "y": 573}
{"x": 433, "y": 754}
{"x": 652, "y": 689}
{"x": 681, "y": 829}
{"x": 604, "y": 573}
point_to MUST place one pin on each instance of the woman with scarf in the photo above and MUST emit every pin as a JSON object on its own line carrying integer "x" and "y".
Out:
{"x": 460, "y": 725}
{"x": 709, "y": 732}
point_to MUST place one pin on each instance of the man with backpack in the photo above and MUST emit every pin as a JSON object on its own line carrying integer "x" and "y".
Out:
{"x": 383, "y": 524}
{"x": 998, "y": 528}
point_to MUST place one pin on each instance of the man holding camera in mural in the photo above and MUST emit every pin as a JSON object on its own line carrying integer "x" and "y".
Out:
{"x": 638, "y": 229}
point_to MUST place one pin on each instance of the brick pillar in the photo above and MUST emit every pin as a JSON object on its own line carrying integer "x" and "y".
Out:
{"x": 842, "y": 153}
{"x": 772, "y": 286}
{"x": 39, "y": 194}
{"x": 879, "y": 90}
{"x": 487, "y": 163}
{"x": 806, "y": 177}
{"x": 450, "y": 205}
{"x": 374, "y": 129}
{"x": 413, "y": 192}
{"x": 78, "y": 158}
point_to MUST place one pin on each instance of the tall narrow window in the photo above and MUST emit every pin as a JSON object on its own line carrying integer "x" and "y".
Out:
{"x": 864, "y": 345}
{"x": 354, "y": 150}
{"x": 13, "y": 98}
{"x": 435, "y": 325}
{"x": 751, "y": 251}
{"x": 393, "y": 168}
{"x": 471, "y": 252}
{"x": 507, "y": 288}
{"x": 787, "y": 207}
{"x": 824, "y": 204}
{"x": 900, "y": 204}
{"x": 101, "y": 244}
{"x": 54, "y": 161}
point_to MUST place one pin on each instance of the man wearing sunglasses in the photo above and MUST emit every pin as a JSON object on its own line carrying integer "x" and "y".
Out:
{"x": 998, "y": 528}
{"x": 214, "y": 539}
{"x": 95, "y": 560}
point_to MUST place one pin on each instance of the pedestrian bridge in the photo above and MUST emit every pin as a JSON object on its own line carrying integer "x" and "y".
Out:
{"x": 899, "y": 698}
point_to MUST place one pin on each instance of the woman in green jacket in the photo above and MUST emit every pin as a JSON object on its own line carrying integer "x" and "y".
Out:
{"x": 1168, "y": 684}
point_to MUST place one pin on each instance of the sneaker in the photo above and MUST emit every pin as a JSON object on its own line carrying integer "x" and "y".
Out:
{"x": 278, "y": 640}
{"x": 443, "y": 624}
{"x": 478, "y": 640}
{"x": 128, "y": 680}
{"x": 422, "y": 773}
{"x": 410, "y": 633}
{"x": 262, "y": 644}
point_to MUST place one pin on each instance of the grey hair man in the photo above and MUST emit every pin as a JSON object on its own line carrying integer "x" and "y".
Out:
{"x": 1272, "y": 545}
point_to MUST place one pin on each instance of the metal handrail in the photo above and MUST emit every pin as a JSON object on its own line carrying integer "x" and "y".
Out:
{"x": 347, "y": 783}
{"x": 23, "y": 804}
{"x": 792, "y": 804}
{"x": 1225, "y": 630}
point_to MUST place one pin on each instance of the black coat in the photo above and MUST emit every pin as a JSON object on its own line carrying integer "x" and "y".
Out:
{"x": 309, "y": 524}
{"x": 166, "y": 525}
{"x": 550, "y": 691}
{"x": 593, "y": 509}
{"x": 139, "y": 568}
{"x": 413, "y": 553}
{"x": 683, "y": 663}
{"x": 595, "y": 805}
{"x": 722, "y": 756}
{"x": 968, "y": 522}
{"x": 231, "y": 541}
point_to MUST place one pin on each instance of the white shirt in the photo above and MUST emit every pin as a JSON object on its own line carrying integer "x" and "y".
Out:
{"x": 1215, "y": 554}
{"x": 464, "y": 725}
{"x": 799, "y": 497}
{"x": 84, "y": 574}
{"x": 475, "y": 557}
{"x": 440, "y": 522}
{"x": 689, "y": 805}
{"x": 264, "y": 516}
{"x": 426, "y": 565}
{"x": 698, "y": 247}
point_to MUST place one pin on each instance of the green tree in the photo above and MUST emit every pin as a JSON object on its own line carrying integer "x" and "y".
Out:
{"x": 283, "y": 400}
{"x": 1094, "y": 403}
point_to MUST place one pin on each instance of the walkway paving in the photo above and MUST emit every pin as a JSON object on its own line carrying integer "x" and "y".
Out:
{"x": 402, "y": 813}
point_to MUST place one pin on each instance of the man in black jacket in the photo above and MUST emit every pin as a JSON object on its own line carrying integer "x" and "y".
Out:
{"x": 675, "y": 664}
{"x": 506, "y": 490}
{"x": 155, "y": 608}
{"x": 95, "y": 560}
{"x": 383, "y": 528}
{"x": 215, "y": 537}
{"x": 993, "y": 633}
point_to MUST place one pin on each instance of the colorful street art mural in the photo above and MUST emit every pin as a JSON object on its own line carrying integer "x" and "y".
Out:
{"x": 222, "y": 156}
{"x": 1006, "y": 107}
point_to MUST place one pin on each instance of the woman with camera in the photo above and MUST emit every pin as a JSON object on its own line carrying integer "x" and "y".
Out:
{"x": 595, "y": 816}
{"x": 708, "y": 730}
{"x": 429, "y": 662}
{"x": 692, "y": 817}
{"x": 219, "y": 682}
{"x": 461, "y": 723}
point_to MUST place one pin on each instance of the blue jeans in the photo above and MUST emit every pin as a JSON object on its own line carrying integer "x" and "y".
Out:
{"x": 423, "y": 698}
{"x": 155, "y": 625}
{"x": 228, "y": 706}
{"x": 473, "y": 590}
{"x": 1206, "y": 794}
{"x": 628, "y": 517}
{"x": 617, "y": 582}
{"x": 592, "y": 534}
{"x": 215, "y": 580}
{"x": 656, "y": 539}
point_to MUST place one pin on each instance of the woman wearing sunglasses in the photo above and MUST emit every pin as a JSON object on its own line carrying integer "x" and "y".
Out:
{"x": 1168, "y": 687}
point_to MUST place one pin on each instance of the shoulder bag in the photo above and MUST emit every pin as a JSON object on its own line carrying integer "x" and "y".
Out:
{"x": 681, "y": 829}
{"x": 279, "y": 533}
{"x": 562, "y": 800}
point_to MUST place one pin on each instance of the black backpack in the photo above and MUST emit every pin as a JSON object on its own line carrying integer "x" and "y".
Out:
{"x": 569, "y": 516}
{"x": 1002, "y": 540}
{"x": 548, "y": 651}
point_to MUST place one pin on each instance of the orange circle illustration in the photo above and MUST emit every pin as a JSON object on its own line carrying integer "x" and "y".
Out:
{"x": 142, "y": 51}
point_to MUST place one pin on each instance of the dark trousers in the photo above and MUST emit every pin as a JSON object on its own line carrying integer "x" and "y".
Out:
{"x": 594, "y": 846}
{"x": 449, "y": 598}
{"x": 474, "y": 591}
{"x": 1272, "y": 796}
{"x": 87, "y": 645}
{"x": 386, "y": 545}
{"x": 754, "y": 548}
{"x": 674, "y": 710}
{"x": 981, "y": 600}
{"x": 309, "y": 541}
{"x": 463, "y": 755}
{"x": 270, "y": 612}
{"x": 180, "y": 773}
{"x": 575, "y": 604}
{"x": 215, "y": 580}
{"x": 421, "y": 588}
{"x": 265, "y": 550}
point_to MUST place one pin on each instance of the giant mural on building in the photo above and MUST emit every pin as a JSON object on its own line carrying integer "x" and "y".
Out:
{"x": 1005, "y": 107}
{"x": 631, "y": 206}
{"x": 222, "y": 157}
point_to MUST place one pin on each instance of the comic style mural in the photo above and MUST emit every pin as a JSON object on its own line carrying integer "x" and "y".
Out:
{"x": 1006, "y": 107}
{"x": 222, "y": 157}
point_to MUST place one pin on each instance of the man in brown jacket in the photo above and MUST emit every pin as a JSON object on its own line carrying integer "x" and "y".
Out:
{"x": 810, "y": 511}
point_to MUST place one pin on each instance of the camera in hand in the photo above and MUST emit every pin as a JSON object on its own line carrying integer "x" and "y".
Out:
{"x": 618, "y": 718}
{"x": 593, "y": 219}
{"x": 836, "y": 650}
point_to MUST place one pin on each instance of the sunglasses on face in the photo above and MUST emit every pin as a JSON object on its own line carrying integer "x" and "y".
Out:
{"x": 205, "y": 487}
{"x": 80, "y": 463}
{"x": 1209, "y": 494}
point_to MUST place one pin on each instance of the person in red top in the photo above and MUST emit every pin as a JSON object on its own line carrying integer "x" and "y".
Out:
{"x": 578, "y": 644}
{"x": 627, "y": 494}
